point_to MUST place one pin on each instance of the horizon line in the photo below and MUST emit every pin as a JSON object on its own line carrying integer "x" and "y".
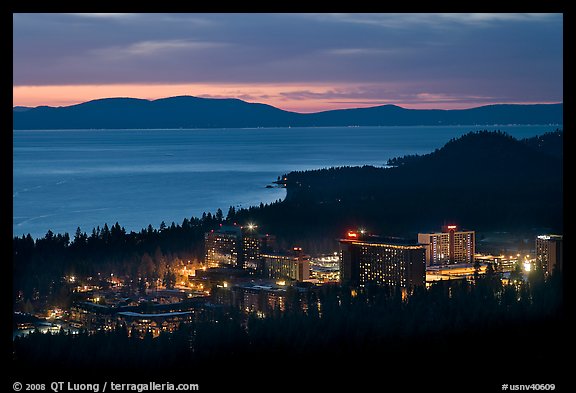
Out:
{"x": 286, "y": 110}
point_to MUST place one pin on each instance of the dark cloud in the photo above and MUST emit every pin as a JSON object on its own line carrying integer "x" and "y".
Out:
{"x": 375, "y": 92}
{"x": 375, "y": 96}
{"x": 511, "y": 56}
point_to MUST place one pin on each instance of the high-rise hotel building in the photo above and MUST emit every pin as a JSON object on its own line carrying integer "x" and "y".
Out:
{"x": 292, "y": 265}
{"x": 222, "y": 246}
{"x": 449, "y": 246}
{"x": 251, "y": 245}
{"x": 549, "y": 252}
{"x": 239, "y": 247}
{"x": 371, "y": 260}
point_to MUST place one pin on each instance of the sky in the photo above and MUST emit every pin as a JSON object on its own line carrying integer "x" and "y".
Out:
{"x": 297, "y": 62}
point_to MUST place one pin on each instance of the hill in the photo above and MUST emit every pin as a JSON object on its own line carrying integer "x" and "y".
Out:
{"x": 21, "y": 108}
{"x": 174, "y": 112}
{"x": 194, "y": 112}
{"x": 483, "y": 180}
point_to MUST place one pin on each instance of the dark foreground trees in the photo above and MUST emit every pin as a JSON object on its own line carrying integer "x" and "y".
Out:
{"x": 480, "y": 322}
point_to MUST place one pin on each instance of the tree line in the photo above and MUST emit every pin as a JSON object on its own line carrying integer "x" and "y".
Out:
{"x": 465, "y": 324}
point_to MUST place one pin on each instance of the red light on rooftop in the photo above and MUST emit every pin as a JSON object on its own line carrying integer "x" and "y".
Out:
{"x": 451, "y": 226}
{"x": 352, "y": 234}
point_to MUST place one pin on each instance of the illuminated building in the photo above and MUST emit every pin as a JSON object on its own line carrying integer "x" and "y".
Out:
{"x": 154, "y": 323}
{"x": 234, "y": 246}
{"x": 325, "y": 268}
{"x": 90, "y": 316}
{"x": 263, "y": 296}
{"x": 372, "y": 260}
{"x": 223, "y": 246}
{"x": 501, "y": 263}
{"x": 294, "y": 265}
{"x": 251, "y": 245}
{"x": 454, "y": 272}
{"x": 549, "y": 252}
{"x": 164, "y": 312}
{"x": 449, "y": 246}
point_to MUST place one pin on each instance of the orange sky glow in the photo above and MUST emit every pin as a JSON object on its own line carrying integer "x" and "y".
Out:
{"x": 284, "y": 96}
{"x": 297, "y": 62}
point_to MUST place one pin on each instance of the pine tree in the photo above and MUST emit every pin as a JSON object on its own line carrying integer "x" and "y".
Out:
{"x": 231, "y": 214}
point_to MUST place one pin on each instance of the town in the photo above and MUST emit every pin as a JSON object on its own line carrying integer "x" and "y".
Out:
{"x": 246, "y": 270}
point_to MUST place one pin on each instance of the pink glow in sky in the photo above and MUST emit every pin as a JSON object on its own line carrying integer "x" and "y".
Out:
{"x": 296, "y": 98}
{"x": 296, "y": 62}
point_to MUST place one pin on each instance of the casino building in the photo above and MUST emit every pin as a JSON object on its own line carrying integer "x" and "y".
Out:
{"x": 449, "y": 246}
{"x": 549, "y": 253}
{"x": 367, "y": 259}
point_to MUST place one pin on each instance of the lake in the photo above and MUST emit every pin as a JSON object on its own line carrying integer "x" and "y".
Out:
{"x": 63, "y": 179}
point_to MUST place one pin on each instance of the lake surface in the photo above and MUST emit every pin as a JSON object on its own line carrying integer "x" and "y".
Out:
{"x": 69, "y": 178}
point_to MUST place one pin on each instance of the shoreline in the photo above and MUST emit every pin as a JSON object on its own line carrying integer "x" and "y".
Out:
{"x": 561, "y": 125}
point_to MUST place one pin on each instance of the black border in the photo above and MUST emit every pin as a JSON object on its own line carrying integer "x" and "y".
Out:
{"x": 343, "y": 378}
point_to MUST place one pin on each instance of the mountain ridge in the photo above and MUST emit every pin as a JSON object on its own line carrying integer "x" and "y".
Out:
{"x": 486, "y": 180}
{"x": 197, "y": 112}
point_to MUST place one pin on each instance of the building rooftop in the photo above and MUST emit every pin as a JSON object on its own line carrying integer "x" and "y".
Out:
{"x": 459, "y": 230}
{"x": 549, "y": 237}
{"x": 295, "y": 252}
{"x": 380, "y": 240}
{"x": 159, "y": 315}
{"x": 229, "y": 229}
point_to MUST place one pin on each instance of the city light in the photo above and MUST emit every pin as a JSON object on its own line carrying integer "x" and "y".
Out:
{"x": 379, "y": 262}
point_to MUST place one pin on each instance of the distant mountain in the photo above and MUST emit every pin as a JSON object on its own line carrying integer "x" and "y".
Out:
{"x": 21, "y": 108}
{"x": 194, "y": 112}
{"x": 174, "y": 112}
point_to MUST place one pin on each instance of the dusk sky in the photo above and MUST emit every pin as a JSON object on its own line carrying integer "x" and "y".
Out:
{"x": 298, "y": 62}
